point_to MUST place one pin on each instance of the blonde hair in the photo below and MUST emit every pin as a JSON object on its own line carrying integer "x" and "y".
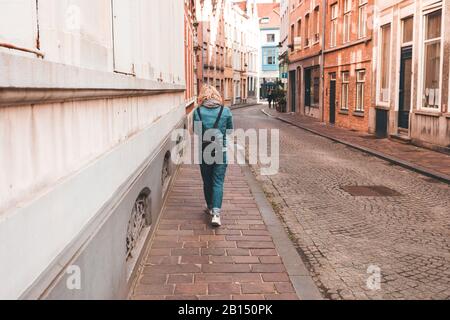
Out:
{"x": 209, "y": 93}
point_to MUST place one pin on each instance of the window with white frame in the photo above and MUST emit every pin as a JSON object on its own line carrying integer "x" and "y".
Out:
{"x": 271, "y": 37}
{"x": 347, "y": 20}
{"x": 385, "y": 62}
{"x": 334, "y": 25}
{"x": 431, "y": 76}
{"x": 362, "y": 19}
{"x": 345, "y": 89}
{"x": 360, "y": 86}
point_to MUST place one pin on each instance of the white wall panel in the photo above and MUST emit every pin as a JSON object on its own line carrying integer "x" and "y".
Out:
{"x": 124, "y": 31}
{"x": 18, "y": 23}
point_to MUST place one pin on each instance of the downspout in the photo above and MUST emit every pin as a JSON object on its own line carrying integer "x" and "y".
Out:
{"x": 322, "y": 65}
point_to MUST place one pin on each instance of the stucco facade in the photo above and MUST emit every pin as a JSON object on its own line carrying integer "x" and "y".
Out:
{"x": 412, "y": 102}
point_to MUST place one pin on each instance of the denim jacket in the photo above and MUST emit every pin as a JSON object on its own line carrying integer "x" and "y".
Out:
{"x": 209, "y": 116}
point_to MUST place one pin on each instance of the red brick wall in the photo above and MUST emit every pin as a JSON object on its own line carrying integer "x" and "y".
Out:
{"x": 298, "y": 10}
{"x": 352, "y": 56}
{"x": 189, "y": 54}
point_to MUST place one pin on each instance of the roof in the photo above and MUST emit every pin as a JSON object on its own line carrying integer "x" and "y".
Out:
{"x": 271, "y": 11}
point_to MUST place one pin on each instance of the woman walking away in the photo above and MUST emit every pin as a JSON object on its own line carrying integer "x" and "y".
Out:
{"x": 212, "y": 116}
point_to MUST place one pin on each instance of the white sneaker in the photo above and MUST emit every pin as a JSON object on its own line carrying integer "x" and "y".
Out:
{"x": 216, "y": 221}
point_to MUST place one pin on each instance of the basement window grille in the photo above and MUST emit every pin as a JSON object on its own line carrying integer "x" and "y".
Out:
{"x": 166, "y": 174}
{"x": 139, "y": 220}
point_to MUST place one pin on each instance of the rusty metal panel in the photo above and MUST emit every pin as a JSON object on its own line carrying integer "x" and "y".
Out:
{"x": 18, "y": 23}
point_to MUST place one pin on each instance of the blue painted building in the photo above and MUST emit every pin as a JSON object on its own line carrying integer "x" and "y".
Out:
{"x": 269, "y": 22}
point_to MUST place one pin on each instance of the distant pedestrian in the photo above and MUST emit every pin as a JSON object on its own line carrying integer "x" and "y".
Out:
{"x": 213, "y": 118}
{"x": 270, "y": 98}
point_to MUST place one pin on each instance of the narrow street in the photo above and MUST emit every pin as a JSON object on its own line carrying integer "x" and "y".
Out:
{"x": 404, "y": 232}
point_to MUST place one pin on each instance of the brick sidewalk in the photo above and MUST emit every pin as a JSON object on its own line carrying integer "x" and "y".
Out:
{"x": 416, "y": 158}
{"x": 189, "y": 260}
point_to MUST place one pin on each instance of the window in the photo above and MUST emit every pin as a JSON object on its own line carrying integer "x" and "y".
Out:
{"x": 307, "y": 30}
{"x": 407, "y": 30}
{"x": 347, "y": 20}
{"x": 362, "y": 19}
{"x": 385, "y": 63}
{"x": 344, "y": 91}
{"x": 292, "y": 34}
{"x": 432, "y": 60}
{"x": 269, "y": 56}
{"x": 360, "y": 83}
{"x": 298, "y": 39}
{"x": 271, "y": 37}
{"x": 265, "y": 20}
{"x": 316, "y": 86}
{"x": 316, "y": 25}
{"x": 334, "y": 26}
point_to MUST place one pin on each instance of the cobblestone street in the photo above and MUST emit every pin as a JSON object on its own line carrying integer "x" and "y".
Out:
{"x": 341, "y": 231}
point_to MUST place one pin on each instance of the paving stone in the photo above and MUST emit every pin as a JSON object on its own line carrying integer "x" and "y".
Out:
{"x": 191, "y": 289}
{"x": 224, "y": 288}
{"x": 275, "y": 277}
{"x": 258, "y": 288}
{"x": 189, "y": 260}
{"x": 153, "y": 289}
{"x": 180, "y": 278}
{"x": 268, "y": 268}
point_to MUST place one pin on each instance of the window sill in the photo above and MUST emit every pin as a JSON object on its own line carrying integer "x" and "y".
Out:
{"x": 360, "y": 114}
{"x": 343, "y": 112}
{"x": 381, "y": 107}
{"x": 430, "y": 113}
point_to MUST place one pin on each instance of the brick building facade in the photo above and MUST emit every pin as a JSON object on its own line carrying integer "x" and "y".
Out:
{"x": 190, "y": 65}
{"x": 211, "y": 39}
{"x": 347, "y": 63}
{"x": 305, "y": 58}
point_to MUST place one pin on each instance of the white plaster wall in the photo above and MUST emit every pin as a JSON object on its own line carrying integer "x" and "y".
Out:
{"x": 60, "y": 162}
{"x": 265, "y": 32}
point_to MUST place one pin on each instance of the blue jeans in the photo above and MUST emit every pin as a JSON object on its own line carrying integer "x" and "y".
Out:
{"x": 213, "y": 184}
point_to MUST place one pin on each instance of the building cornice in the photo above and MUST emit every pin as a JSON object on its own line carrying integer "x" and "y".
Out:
{"x": 30, "y": 81}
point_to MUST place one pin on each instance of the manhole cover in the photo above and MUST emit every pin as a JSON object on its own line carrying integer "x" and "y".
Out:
{"x": 370, "y": 191}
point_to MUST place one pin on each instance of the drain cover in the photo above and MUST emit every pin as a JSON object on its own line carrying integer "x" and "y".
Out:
{"x": 370, "y": 191}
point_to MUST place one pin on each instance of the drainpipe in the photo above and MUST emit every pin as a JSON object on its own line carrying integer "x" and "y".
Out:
{"x": 322, "y": 65}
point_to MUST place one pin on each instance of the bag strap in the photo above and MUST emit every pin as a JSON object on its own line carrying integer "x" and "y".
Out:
{"x": 199, "y": 113}
{"x": 216, "y": 125}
